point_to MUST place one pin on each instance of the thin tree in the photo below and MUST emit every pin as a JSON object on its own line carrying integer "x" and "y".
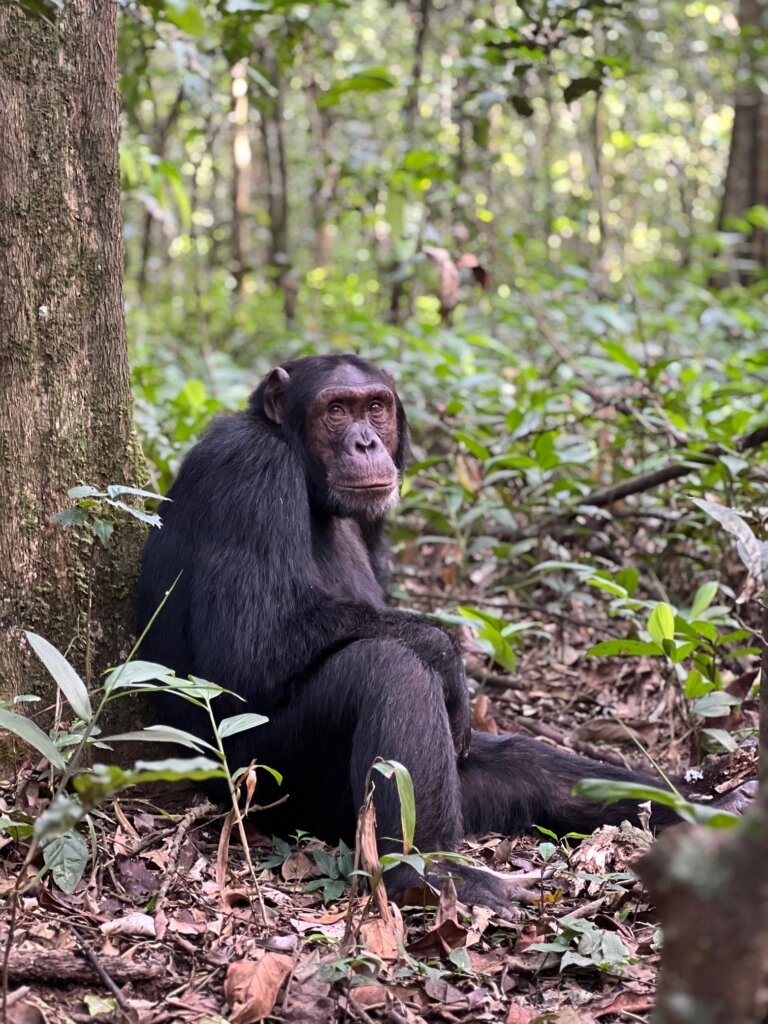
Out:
{"x": 65, "y": 411}
{"x": 746, "y": 183}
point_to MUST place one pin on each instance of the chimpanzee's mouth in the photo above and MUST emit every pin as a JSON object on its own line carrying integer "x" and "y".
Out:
{"x": 379, "y": 487}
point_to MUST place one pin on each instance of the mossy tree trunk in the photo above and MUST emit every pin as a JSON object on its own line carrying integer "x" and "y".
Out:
{"x": 65, "y": 413}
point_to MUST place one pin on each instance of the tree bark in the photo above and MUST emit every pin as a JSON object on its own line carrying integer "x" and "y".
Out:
{"x": 66, "y": 411}
{"x": 241, "y": 174}
{"x": 711, "y": 890}
{"x": 746, "y": 182}
{"x": 276, "y": 175}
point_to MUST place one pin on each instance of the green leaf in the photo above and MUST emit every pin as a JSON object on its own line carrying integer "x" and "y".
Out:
{"x": 618, "y": 355}
{"x": 625, "y": 647}
{"x": 407, "y": 798}
{"x": 722, "y": 738}
{"x": 371, "y": 80}
{"x": 103, "y": 530}
{"x": 748, "y": 546}
{"x": 67, "y": 680}
{"x": 239, "y": 723}
{"x": 32, "y": 734}
{"x": 115, "y": 490}
{"x": 106, "y": 780}
{"x": 705, "y": 595}
{"x": 696, "y": 685}
{"x": 661, "y": 623}
{"x": 629, "y": 579}
{"x": 716, "y": 704}
{"x": 137, "y": 672}
{"x": 609, "y": 790}
{"x": 185, "y": 14}
{"x": 72, "y": 517}
{"x": 158, "y": 734}
{"x": 76, "y": 493}
{"x": 580, "y": 87}
{"x": 66, "y": 856}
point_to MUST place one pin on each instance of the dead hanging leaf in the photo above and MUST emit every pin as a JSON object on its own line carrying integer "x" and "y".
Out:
{"x": 449, "y": 277}
{"x": 482, "y": 718}
{"x": 752, "y": 552}
{"x": 367, "y": 855}
{"x": 222, "y": 854}
{"x": 468, "y": 261}
{"x": 448, "y": 907}
{"x": 251, "y": 986}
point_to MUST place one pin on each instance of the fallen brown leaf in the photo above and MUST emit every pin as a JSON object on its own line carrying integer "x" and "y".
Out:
{"x": 251, "y": 986}
{"x": 131, "y": 924}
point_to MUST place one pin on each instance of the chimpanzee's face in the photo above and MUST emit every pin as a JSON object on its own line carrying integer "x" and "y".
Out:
{"x": 351, "y": 432}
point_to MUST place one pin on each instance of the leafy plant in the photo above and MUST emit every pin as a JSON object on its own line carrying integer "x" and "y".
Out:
{"x": 581, "y": 943}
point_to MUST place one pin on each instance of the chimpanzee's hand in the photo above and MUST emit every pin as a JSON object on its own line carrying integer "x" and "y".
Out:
{"x": 460, "y": 718}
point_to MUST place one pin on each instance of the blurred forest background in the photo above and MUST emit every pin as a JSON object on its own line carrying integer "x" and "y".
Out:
{"x": 548, "y": 219}
{"x": 503, "y": 203}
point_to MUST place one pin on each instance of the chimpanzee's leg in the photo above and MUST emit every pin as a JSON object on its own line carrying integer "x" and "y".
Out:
{"x": 373, "y": 699}
{"x": 509, "y": 783}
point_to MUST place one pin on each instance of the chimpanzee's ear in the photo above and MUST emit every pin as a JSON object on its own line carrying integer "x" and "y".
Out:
{"x": 274, "y": 394}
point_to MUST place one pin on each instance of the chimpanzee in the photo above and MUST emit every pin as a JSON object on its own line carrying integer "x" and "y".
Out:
{"x": 275, "y": 525}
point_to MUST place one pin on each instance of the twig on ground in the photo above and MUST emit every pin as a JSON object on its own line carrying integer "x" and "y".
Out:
{"x": 192, "y": 815}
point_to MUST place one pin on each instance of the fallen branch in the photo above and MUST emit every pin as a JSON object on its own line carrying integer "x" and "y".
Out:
{"x": 48, "y": 964}
{"x": 647, "y": 481}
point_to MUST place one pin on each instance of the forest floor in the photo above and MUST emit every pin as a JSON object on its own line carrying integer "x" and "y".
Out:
{"x": 167, "y": 924}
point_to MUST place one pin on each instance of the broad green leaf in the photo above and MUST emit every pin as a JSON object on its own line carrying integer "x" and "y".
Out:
{"x": 722, "y": 738}
{"x": 696, "y": 685}
{"x": 629, "y": 579}
{"x": 406, "y": 795}
{"x": 19, "y": 831}
{"x": 751, "y": 551}
{"x": 106, "y": 780}
{"x": 67, "y": 680}
{"x": 626, "y": 647}
{"x": 158, "y": 734}
{"x": 705, "y": 595}
{"x": 32, "y": 734}
{"x": 716, "y": 704}
{"x": 72, "y": 517}
{"x": 661, "y": 623}
{"x": 617, "y": 353}
{"x": 185, "y": 14}
{"x": 115, "y": 490}
{"x": 66, "y": 856}
{"x": 137, "y": 672}
{"x": 609, "y": 790}
{"x": 370, "y": 80}
{"x": 239, "y": 723}
{"x": 76, "y": 493}
{"x": 103, "y": 530}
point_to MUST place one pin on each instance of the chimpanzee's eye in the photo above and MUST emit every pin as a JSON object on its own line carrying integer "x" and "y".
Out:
{"x": 336, "y": 409}
{"x": 376, "y": 408}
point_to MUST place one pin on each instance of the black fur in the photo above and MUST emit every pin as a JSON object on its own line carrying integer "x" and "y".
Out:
{"x": 283, "y": 603}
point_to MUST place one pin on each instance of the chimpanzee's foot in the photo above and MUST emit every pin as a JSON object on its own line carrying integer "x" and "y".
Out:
{"x": 474, "y": 886}
{"x": 738, "y": 800}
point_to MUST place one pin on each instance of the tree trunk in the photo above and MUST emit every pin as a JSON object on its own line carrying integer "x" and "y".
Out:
{"x": 746, "y": 182}
{"x": 711, "y": 889}
{"x": 65, "y": 418}
{"x": 241, "y": 174}
{"x": 276, "y": 168}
